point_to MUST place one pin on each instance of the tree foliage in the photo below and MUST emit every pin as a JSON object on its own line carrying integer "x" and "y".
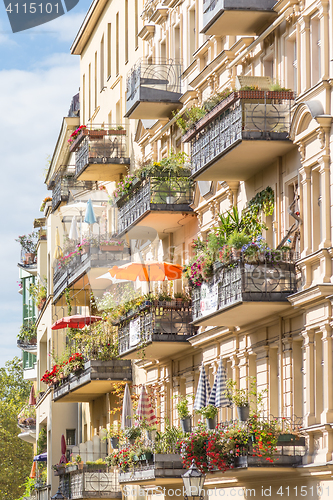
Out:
{"x": 16, "y": 455}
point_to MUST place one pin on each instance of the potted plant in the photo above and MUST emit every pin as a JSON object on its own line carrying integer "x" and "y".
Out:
{"x": 28, "y": 245}
{"x": 179, "y": 296}
{"x": 79, "y": 462}
{"x": 183, "y": 413}
{"x": 240, "y": 398}
{"x": 132, "y": 433}
{"x": 236, "y": 241}
{"x": 210, "y": 414}
{"x": 115, "y": 433}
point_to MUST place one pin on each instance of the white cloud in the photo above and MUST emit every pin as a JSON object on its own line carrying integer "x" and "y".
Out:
{"x": 32, "y": 105}
{"x": 64, "y": 28}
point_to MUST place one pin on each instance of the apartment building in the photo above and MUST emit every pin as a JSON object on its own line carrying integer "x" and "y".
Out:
{"x": 243, "y": 88}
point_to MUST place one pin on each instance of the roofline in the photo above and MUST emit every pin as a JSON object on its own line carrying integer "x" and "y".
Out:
{"x": 91, "y": 18}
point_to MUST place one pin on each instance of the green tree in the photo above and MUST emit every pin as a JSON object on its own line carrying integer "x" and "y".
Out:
{"x": 16, "y": 455}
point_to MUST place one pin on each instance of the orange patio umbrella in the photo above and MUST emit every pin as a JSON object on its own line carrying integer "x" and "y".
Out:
{"x": 147, "y": 271}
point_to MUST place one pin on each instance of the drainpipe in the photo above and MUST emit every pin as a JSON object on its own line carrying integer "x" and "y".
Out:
{"x": 281, "y": 369}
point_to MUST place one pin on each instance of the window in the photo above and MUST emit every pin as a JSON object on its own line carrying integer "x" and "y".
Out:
{"x": 315, "y": 49}
{"x": 126, "y": 31}
{"x": 101, "y": 64}
{"x": 191, "y": 33}
{"x": 95, "y": 89}
{"x": 109, "y": 50}
{"x": 89, "y": 90}
{"x": 117, "y": 44}
{"x": 70, "y": 437}
{"x": 136, "y": 14}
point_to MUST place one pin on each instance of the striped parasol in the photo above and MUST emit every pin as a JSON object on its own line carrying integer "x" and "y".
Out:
{"x": 217, "y": 396}
{"x": 144, "y": 410}
{"x": 126, "y": 414}
{"x": 203, "y": 390}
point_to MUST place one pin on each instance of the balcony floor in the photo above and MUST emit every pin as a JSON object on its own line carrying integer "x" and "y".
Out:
{"x": 151, "y": 110}
{"x": 162, "y": 346}
{"x": 243, "y": 160}
{"x": 239, "y": 22}
{"x": 93, "y": 381}
{"x": 242, "y": 313}
{"x": 110, "y": 171}
{"x": 162, "y": 221}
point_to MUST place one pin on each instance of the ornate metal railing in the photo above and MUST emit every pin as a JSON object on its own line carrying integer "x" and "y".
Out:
{"x": 160, "y": 321}
{"x": 243, "y": 115}
{"x": 87, "y": 483}
{"x": 153, "y": 82}
{"x": 262, "y": 280}
{"x": 93, "y": 256}
{"x": 110, "y": 147}
{"x": 163, "y": 193}
{"x": 63, "y": 185}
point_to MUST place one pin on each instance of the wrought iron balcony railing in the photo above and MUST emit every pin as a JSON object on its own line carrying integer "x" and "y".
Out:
{"x": 163, "y": 193}
{"x": 243, "y": 116}
{"x": 104, "y": 156}
{"x": 62, "y": 187}
{"x": 153, "y": 89}
{"x": 162, "y": 465}
{"x": 92, "y": 377}
{"x": 252, "y": 15}
{"x": 89, "y": 483}
{"x": 76, "y": 263}
{"x": 257, "y": 282}
{"x": 155, "y": 322}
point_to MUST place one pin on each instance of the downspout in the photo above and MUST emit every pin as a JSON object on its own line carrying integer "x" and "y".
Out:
{"x": 281, "y": 369}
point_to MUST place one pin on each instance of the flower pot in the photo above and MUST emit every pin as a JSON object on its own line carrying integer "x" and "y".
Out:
{"x": 29, "y": 258}
{"x": 185, "y": 424}
{"x": 111, "y": 248}
{"x": 243, "y": 413}
{"x": 240, "y": 462}
{"x": 287, "y": 437}
{"x": 146, "y": 456}
{"x": 80, "y": 466}
{"x": 236, "y": 254}
{"x": 54, "y": 380}
{"x": 151, "y": 435}
{"x": 96, "y": 134}
{"x": 41, "y": 304}
{"x": 211, "y": 423}
{"x": 114, "y": 442}
{"x": 117, "y": 132}
{"x": 62, "y": 375}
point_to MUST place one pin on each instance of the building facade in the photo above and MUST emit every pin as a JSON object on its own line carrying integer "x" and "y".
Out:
{"x": 244, "y": 89}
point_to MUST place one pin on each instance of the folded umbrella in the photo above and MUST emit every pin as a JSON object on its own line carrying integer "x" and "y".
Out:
{"x": 218, "y": 395}
{"x": 32, "y": 398}
{"x": 63, "y": 459}
{"x": 144, "y": 410}
{"x": 73, "y": 232}
{"x": 90, "y": 217}
{"x": 203, "y": 390}
{"x": 126, "y": 414}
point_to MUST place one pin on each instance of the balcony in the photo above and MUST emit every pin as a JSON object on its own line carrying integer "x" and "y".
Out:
{"x": 239, "y": 295}
{"x": 152, "y": 197}
{"x": 156, "y": 330}
{"x": 95, "y": 259}
{"x": 153, "y": 90}
{"x": 164, "y": 466}
{"x": 102, "y": 155}
{"x": 63, "y": 185}
{"x": 89, "y": 483}
{"x": 94, "y": 380}
{"x": 243, "y": 134}
{"x": 237, "y": 17}
{"x": 28, "y": 344}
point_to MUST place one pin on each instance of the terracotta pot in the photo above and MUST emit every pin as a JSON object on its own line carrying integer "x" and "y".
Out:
{"x": 41, "y": 304}
{"x": 111, "y": 248}
{"x": 30, "y": 258}
{"x": 54, "y": 380}
{"x": 117, "y": 132}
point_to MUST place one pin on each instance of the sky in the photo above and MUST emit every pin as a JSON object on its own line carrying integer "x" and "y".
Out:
{"x": 38, "y": 77}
